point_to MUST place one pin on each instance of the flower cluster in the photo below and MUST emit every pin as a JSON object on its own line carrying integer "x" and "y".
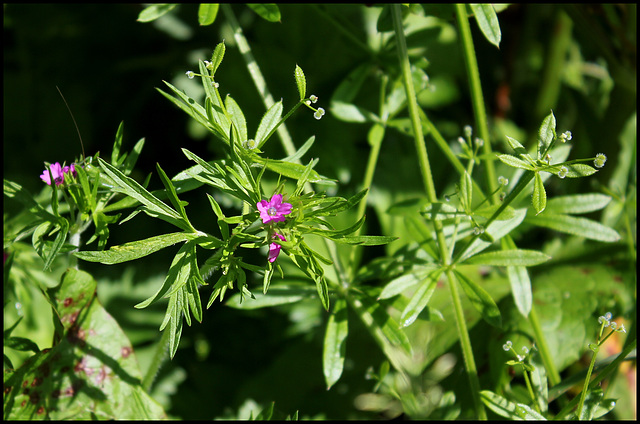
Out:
{"x": 57, "y": 171}
{"x": 272, "y": 211}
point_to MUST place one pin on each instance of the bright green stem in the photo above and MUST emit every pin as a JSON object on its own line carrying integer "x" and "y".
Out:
{"x": 256, "y": 75}
{"x": 427, "y": 180}
{"x": 162, "y": 351}
{"x": 545, "y": 354}
{"x": 585, "y": 387}
{"x": 477, "y": 100}
{"x": 527, "y": 381}
{"x": 465, "y": 345}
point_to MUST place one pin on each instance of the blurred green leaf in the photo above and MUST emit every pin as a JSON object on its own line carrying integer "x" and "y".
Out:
{"x": 515, "y": 257}
{"x": 577, "y": 203}
{"x": 335, "y": 343}
{"x": 578, "y": 226}
{"x": 481, "y": 300}
{"x": 420, "y": 298}
{"x": 207, "y": 13}
{"x": 154, "y": 11}
{"x": 90, "y": 372}
{"x": 267, "y": 11}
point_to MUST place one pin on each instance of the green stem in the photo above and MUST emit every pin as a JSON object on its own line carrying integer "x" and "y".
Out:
{"x": 256, "y": 75}
{"x": 161, "y": 353}
{"x": 477, "y": 100}
{"x": 545, "y": 353}
{"x": 427, "y": 180}
{"x": 585, "y": 387}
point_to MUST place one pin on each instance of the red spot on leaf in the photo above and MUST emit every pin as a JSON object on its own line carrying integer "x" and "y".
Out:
{"x": 125, "y": 351}
{"x": 40, "y": 410}
{"x": 67, "y": 302}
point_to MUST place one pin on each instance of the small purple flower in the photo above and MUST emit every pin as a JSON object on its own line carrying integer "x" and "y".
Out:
{"x": 274, "y": 248}
{"x": 70, "y": 169}
{"x": 56, "y": 171}
{"x": 273, "y": 210}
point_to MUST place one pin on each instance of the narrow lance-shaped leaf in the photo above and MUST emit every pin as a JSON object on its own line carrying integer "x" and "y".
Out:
{"x": 217, "y": 56}
{"x": 577, "y": 203}
{"x": 301, "y": 82}
{"x": 514, "y": 257}
{"x": 335, "y": 343}
{"x": 577, "y": 226}
{"x": 481, "y": 300}
{"x": 546, "y": 134}
{"x": 539, "y": 196}
{"x": 268, "y": 123}
{"x": 488, "y": 22}
{"x": 420, "y": 298}
{"x": 519, "y": 281}
{"x": 134, "y": 250}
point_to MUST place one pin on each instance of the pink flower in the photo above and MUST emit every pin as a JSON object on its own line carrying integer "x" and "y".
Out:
{"x": 274, "y": 248}
{"x": 70, "y": 169}
{"x": 273, "y": 210}
{"x": 56, "y": 171}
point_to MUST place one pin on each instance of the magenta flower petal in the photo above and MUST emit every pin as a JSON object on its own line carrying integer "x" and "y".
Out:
{"x": 273, "y": 210}
{"x": 56, "y": 171}
{"x": 274, "y": 248}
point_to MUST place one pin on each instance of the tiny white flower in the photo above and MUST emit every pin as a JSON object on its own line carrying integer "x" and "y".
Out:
{"x": 563, "y": 172}
{"x": 313, "y": 98}
{"x": 319, "y": 113}
{"x": 468, "y": 131}
{"x": 600, "y": 160}
{"x": 190, "y": 74}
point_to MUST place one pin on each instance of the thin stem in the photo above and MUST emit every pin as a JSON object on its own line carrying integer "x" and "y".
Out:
{"x": 585, "y": 387}
{"x": 477, "y": 100}
{"x": 545, "y": 353}
{"x": 427, "y": 180}
{"x": 256, "y": 75}
{"x": 162, "y": 351}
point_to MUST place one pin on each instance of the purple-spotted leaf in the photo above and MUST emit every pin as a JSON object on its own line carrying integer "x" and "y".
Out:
{"x": 90, "y": 372}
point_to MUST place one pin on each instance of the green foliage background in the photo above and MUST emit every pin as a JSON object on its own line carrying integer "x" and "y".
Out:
{"x": 107, "y": 65}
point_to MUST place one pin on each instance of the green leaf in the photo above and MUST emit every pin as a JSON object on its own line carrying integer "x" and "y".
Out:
{"x": 420, "y": 298}
{"x": 466, "y": 191}
{"x": 301, "y": 82}
{"x": 135, "y": 249}
{"x": 216, "y": 57}
{"x": 518, "y": 148}
{"x": 546, "y": 134}
{"x": 539, "y": 196}
{"x": 577, "y": 226}
{"x": 514, "y": 257}
{"x": 539, "y": 381}
{"x": 132, "y": 157}
{"x": 268, "y": 123}
{"x": 481, "y": 300}
{"x": 294, "y": 158}
{"x": 117, "y": 144}
{"x": 508, "y": 409}
{"x": 365, "y": 240}
{"x": 403, "y": 282}
{"x": 90, "y": 371}
{"x": 514, "y": 162}
{"x": 519, "y": 281}
{"x": 207, "y": 13}
{"x": 487, "y": 22}
{"x": 576, "y": 170}
{"x": 173, "y": 196}
{"x": 267, "y": 11}
{"x": 335, "y": 344}
{"x": 577, "y": 203}
{"x": 154, "y": 207}
{"x": 15, "y": 190}
{"x": 237, "y": 118}
{"x": 153, "y": 12}
{"x": 292, "y": 170}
